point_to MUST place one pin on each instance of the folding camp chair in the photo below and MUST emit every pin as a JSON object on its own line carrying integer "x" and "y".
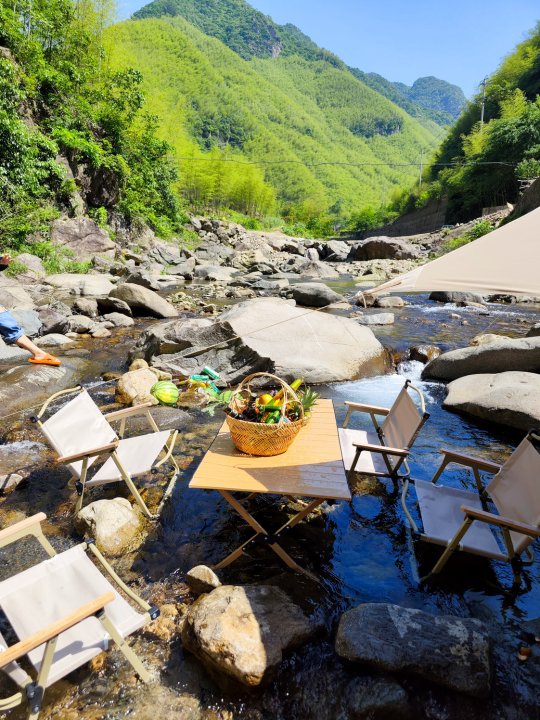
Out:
{"x": 461, "y": 520}
{"x": 382, "y": 452}
{"x": 80, "y": 434}
{"x": 64, "y": 611}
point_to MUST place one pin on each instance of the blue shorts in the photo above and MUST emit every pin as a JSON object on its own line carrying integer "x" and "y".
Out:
{"x": 10, "y": 330}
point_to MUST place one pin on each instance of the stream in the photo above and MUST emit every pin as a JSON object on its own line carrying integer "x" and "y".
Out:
{"x": 361, "y": 551}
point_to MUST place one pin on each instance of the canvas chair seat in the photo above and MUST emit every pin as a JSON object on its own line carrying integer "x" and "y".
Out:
{"x": 51, "y": 590}
{"x": 137, "y": 455}
{"x": 442, "y": 517}
{"x": 369, "y": 463}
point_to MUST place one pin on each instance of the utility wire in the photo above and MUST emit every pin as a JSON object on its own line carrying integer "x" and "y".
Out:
{"x": 343, "y": 164}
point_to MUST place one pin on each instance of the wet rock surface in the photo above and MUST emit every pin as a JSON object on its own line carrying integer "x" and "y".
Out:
{"x": 115, "y": 525}
{"x": 449, "y": 651}
{"x": 243, "y": 632}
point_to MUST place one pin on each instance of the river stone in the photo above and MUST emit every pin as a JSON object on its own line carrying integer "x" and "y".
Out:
{"x": 115, "y": 525}
{"x": 13, "y": 296}
{"x": 485, "y": 338}
{"x": 112, "y": 304}
{"x": 498, "y": 356}
{"x": 53, "y": 340}
{"x": 144, "y": 300}
{"x": 449, "y": 651}
{"x": 83, "y": 236}
{"x": 91, "y": 285}
{"x": 53, "y": 321}
{"x": 376, "y": 319}
{"x": 424, "y": 353}
{"x": 29, "y": 320}
{"x": 86, "y": 306}
{"x": 81, "y": 324}
{"x": 214, "y": 272}
{"x": 507, "y": 398}
{"x": 314, "y": 294}
{"x": 534, "y": 331}
{"x": 134, "y": 387}
{"x": 392, "y": 301}
{"x": 119, "y": 319}
{"x": 28, "y": 385}
{"x": 100, "y": 331}
{"x": 202, "y": 579}
{"x": 334, "y": 250}
{"x": 456, "y": 297}
{"x": 369, "y": 698}
{"x": 316, "y": 269}
{"x": 268, "y": 334}
{"x": 243, "y": 632}
{"x": 383, "y": 248}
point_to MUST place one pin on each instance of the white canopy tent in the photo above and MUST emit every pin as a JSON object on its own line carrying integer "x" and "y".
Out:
{"x": 505, "y": 261}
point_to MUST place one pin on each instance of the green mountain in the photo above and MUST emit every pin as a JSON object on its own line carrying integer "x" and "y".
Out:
{"x": 268, "y": 122}
{"x": 490, "y": 159}
{"x": 428, "y": 97}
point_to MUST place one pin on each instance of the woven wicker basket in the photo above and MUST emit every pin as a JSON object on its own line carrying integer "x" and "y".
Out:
{"x": 259, "y": 439}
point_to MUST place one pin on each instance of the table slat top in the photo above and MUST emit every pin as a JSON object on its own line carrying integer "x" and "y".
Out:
{"x": 311, "y": 467}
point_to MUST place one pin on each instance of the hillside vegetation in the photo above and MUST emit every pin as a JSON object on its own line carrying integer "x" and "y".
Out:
{"x": 509, "y": 137}
{"x": 68, "y": 123}
{"x": 290, "y": 114}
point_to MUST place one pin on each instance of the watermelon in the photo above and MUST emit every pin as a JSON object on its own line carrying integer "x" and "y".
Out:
{"x": 166, "y": 392}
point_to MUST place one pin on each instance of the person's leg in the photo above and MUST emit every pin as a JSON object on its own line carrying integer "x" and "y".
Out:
{"x": 13, "y": 334}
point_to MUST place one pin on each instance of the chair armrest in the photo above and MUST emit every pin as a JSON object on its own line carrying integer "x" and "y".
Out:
{"x": 22, "y": 528}
{"x": 469, "y": 461}
{"x": 375, "y": 409}
{"x": 384, "y": 449}
{"x": 89, "y": 453}
{"x": 54, "y": 629}
{"x": 488, "y": 517}
{"x": 126, "y": 412}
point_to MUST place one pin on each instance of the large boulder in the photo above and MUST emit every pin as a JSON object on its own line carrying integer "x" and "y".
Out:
{"x": 91, "y": 285}
{"x": 34, "y": 266}
{"x": 13, "y": 296}
{"x": 383, "y": 248}
{"x": 134, "y": 387}
{"x": 83, "y": 237}
{"x": 534, "y": 331}
{"x": 267, "y": 334}
{"x": 334, "y": 250}
{"x": 243, "y": 632}
{"x": 115, "y": 525}
{"x": 507, "y": 398}
{"x": 449, "y": 651}
{"x": 29, "y": 320}
{"x": 498, "y": 356}
{"x": 315, "y": 295}
{"x": 214, "y": 272}
{"x": 144, "y": 300}
{"x": 316, "y": 269}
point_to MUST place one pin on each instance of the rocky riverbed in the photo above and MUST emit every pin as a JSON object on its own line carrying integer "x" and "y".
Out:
{"x": 313, "y": 662}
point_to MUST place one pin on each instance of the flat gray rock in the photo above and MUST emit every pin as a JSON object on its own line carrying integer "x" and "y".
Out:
{"x": 508, "y": 398}
{"x": 498, "y": 356}
{"x": 449, "y": 651}
{"x": 369, "y": 698}
{"x": 376, "y": 319}
{"x": 144, "y": 300}
{"x": 83, "y": 236}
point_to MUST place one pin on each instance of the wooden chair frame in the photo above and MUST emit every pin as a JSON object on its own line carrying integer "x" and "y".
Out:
{"x": 386, "y": 451}
{"x": 470, "y": 514}
{"x": 110, "y": 451}
{"x": 33, "y": 690}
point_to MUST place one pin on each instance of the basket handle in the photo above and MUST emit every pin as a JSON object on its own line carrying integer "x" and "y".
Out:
{"x": 287, "y": 390}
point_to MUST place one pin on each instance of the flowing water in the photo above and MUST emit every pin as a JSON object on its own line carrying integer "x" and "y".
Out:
{"x": 361, "y": 551}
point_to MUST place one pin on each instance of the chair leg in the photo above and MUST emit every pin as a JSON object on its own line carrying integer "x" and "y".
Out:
{"x": 126, "y": 477}
{"x": 130, "y": 655}
{"x": 36, "y": 691}
{"x": 350, "y": 473}
{"x": 451, "y": 547}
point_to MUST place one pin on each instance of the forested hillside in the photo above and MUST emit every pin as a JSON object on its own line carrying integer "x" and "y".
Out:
{"x": 69, "y": 124}
{"x": 428, "y": 97}
{"x": 324, "y": 142}
{"x": 509, "y": 139}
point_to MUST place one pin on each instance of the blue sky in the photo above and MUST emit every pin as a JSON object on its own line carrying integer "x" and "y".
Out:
{"x": 457, "y": 40}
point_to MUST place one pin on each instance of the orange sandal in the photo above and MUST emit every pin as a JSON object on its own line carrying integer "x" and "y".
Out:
{"x": 47, "y": 360}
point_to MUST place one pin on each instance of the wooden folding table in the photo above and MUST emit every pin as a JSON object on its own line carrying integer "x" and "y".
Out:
{"x": 312, "y": 467}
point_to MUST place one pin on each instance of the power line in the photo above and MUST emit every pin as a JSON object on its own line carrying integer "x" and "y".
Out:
{"x": 345, "y": 164}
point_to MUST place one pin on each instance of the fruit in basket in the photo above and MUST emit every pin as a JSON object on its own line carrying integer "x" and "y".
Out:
{"x": 265, "y": 399}
{"x": 308, "y": 398}
{"x": 165, "y": 392}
